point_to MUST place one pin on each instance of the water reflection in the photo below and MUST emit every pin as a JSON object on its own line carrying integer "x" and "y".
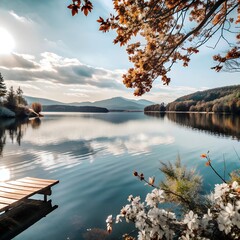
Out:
{"x": 14, "y": 129}
{"x": 4, "y": 174}
{"x": 93, "y": 156}
{"x": 35, "y": 123}
{"x": 138, "y": 144}
{"x": 96, "y": 233}
{"x": 63, "y": 141}
{"x": 155, "y": 114}
{"x": 2, "y": 140}
{"x": 221, "y": 125}
{"x": 20, "y": 218}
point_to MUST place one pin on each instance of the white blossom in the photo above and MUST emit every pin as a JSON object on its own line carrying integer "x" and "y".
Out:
{"x": 206, "y": 218}
{"x": 109, "y": 222}
{"x": 155, "y": 197}
{"x": 141, "y": 220}
{"x": 191, "y": 220}
{"x": 235, "y": 185}
{"x": 109, "y": 219}
{"x": 118, "y": 218}
{"x": 224, "y": 224}
{"x": 130, "y": 197}
{"x": 220, "y": 189}
{"x": 153, "y": 222}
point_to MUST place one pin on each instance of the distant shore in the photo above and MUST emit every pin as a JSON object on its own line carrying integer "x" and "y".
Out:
{"x": 202, "y": 112}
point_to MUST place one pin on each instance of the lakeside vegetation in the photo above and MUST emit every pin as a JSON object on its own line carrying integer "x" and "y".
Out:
{"x": 218, "y": 100}
{"x": 13, "y": 104}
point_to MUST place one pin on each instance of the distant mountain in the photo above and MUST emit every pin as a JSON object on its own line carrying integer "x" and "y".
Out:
{"x": 116, "y": 103}
{"x": 144, "y": 102}
{"x": 43, "y": 101}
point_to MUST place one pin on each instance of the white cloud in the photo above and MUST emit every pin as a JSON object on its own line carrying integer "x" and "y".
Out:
{"x": 68, "y": 79}
{"x": 15, "y": 61}
{"x": 21, "y": 18}
{"x": 60, "y": 74}
{"x": 57, "y": 69}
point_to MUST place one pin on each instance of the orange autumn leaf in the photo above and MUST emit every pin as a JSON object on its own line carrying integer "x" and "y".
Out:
{"x": 203, "y": 155}
{"x": 208, "y": 163}
{"x": 100, "y": 20}
{"x": 87, "y": 8}
{"x": 74, "y": 8}
{"x": 84, "y": 10}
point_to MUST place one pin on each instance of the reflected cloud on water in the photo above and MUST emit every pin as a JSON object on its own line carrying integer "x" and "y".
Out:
{"x": 64, "y": 146}
{"x": 135, "y": 145}
{"x": 60, "y": 142}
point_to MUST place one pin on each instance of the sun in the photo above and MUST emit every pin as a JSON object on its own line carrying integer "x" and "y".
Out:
{"x": 7, "y": 42}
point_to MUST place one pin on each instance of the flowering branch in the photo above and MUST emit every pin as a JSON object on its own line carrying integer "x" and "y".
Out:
{"x": 221, "y": 221}
{"x": 208, "y": 163}
{"x": 151, "y": 183}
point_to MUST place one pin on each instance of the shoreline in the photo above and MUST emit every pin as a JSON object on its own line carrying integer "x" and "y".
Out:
{"x": 227, "y": 113}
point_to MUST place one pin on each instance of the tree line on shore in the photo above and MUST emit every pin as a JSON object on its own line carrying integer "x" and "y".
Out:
{"x": 15, "y": 101}
{"x": 225, "y": 100}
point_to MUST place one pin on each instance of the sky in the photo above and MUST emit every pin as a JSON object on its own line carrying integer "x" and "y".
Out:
{"x": 50, "y": 54}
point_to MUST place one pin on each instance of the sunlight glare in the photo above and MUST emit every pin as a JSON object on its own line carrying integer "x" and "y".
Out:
{"x": 4, "y": 174}
{"x": 7, "y": 42}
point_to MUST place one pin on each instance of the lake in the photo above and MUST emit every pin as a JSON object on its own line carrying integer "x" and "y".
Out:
{"x": 94, "y": 155}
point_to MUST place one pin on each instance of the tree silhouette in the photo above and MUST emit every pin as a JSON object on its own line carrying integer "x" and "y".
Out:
{"x": 3, "y": 89}
{"x": 11, "y": 100}
{"x": 20, "y": 99}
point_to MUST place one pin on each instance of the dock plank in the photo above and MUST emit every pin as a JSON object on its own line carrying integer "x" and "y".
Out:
{"x": 34, "y": 183}
{"x": 38, "y": 182}
{"x": 42, "y": 180}
{"x": 7, "y": 201}
{"x": 12, "y": 190}
{"x": 12, "y": 193}
{"x": 24, "y": 184}
{"x": 17, "y": 187}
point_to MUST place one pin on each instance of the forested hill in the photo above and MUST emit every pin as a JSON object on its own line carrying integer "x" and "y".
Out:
{"x": 211, "y": 94}
{"x": 224, "y": 99}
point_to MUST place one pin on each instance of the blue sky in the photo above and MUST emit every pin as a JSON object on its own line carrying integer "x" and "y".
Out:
{"x": 66, "y": 58}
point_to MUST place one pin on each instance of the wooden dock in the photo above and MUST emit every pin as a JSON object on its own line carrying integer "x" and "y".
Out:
{"x": 18, "y": 219}
{"x": 13, "y": 193}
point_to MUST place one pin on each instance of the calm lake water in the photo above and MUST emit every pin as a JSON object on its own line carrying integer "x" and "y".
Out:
{"x": 94, "y": 155}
